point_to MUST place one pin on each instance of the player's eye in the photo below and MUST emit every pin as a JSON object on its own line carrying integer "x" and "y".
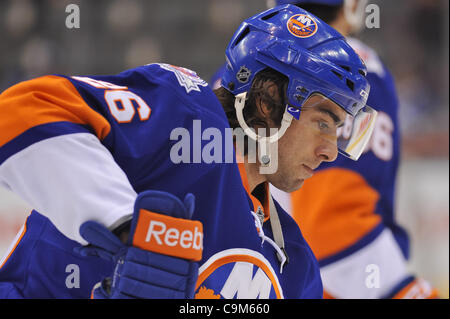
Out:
{"x": 326, "y": 127}
{"x": 323, "y": 126}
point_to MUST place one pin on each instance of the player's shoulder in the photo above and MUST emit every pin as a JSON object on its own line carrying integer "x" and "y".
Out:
{"x": 166, "y": 80}
{"x": 176, "y": 81}
{"x": 180, "y": 85}
{"x": 164, "y": 77}
{"x": 51, "y": 84}
{"x": 383, "y": 91}
{"x": 179, "y": 78}
{"x": 369, "y": 56}
{"x": 175, "y": 91}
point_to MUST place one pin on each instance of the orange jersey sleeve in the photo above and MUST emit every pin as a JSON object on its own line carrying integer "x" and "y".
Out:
{"x": 45, "y": 100}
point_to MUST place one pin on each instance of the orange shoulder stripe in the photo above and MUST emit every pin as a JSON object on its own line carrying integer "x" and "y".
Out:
{"x": 334, "y": 209}
{"x": 45, "y": 100}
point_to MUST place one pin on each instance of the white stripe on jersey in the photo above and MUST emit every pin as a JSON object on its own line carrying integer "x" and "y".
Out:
{"x": 375, "y": 270}
{"x": 70, "y": 179}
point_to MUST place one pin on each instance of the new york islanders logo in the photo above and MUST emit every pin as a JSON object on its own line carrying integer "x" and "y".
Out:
{"x": 302, "y": 26}
{"x": 238, "y": 273}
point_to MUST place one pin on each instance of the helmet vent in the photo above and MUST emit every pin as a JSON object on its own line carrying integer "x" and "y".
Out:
{"x": 362, "y": 72}
{"x": 299, "y": 98}
{"x": 269, "y": 16}
{"x": 346, "y": 68}
{"x": 243, "y": 34}
{"x": 337, "y": 74}
{"x": 350, "y": 84}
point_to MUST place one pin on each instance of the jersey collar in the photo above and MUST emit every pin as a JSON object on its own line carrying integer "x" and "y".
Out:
{"x": 258, "y": 207}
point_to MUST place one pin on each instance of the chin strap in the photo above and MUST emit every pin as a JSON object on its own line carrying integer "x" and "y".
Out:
{"x": 264, "y": 142}
{"x": 277, "y": 232}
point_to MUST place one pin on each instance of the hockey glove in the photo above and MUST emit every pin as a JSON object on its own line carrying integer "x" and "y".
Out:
{"x": 159, "y": 259}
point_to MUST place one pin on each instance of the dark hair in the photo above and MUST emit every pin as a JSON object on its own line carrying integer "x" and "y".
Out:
{"x": 324, "y": 12}
{"x": 252, "y": 116}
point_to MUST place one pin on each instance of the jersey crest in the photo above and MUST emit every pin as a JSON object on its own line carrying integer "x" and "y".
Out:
{"x": 238, "y": 273}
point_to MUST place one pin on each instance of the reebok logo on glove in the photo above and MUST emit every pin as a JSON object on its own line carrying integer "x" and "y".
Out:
{"x": 168, "y": 235}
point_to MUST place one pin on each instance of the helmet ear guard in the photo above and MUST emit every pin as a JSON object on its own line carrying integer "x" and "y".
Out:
{"x": 312, "y": 55}
{"x": 265, "y": 143}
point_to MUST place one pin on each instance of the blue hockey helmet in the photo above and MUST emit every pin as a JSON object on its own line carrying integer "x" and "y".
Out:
{"x": 314, "y": 57}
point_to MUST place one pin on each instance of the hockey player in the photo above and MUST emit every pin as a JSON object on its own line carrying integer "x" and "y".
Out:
{"x": 123, "y": 212}
{"x": 350, "y": 224}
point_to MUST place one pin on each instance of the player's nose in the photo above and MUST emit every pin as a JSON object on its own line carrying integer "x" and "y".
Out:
{"x": 327, "y": 151}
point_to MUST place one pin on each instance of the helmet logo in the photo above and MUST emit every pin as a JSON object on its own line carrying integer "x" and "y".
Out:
{"x": 302, "y": 26}
{"x": 243, "y": 75}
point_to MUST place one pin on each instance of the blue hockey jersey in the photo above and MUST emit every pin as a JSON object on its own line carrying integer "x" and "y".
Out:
{"x": 81, "y": 148}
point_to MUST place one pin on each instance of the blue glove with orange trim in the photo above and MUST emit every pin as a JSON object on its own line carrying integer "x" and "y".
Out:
{"x": 159, "y": 259}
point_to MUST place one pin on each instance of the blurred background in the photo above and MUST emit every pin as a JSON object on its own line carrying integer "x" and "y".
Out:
{"x": 413, "y": 40}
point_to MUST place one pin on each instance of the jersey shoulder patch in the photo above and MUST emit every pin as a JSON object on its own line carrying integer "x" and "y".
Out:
{"x": 187, "y": 78}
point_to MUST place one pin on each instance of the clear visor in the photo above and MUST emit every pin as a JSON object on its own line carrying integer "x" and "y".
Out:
{"x": 328, "y": 120}
{"x": 354, "y": 135}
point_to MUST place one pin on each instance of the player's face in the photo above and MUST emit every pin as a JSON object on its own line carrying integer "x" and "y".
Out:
{"x": 308, "y": 142}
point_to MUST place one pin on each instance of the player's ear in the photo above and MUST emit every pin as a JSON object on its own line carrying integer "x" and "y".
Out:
{"x": 262, "y": 103}
{"x": 262, "y": 107}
